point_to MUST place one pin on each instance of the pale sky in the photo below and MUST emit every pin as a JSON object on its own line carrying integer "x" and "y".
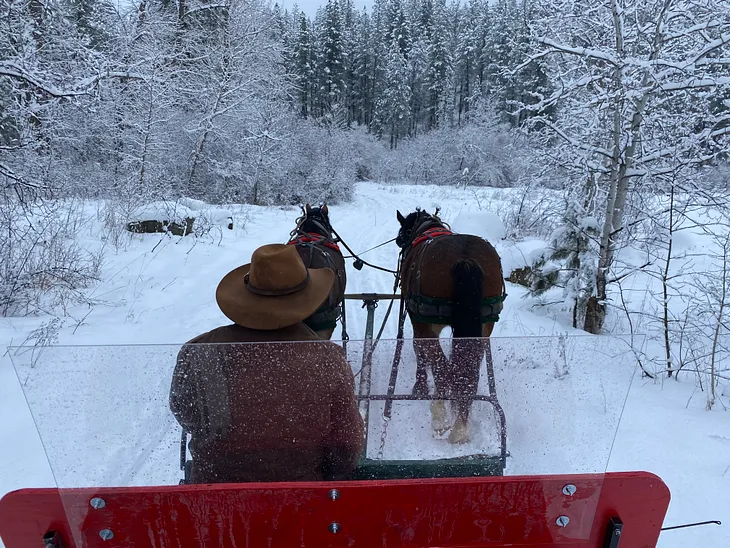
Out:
{"x": 310, "y": 6}
{"x": 307, "y": 6}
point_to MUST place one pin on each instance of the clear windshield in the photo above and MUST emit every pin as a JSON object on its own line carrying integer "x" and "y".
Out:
{"x": 267, "y": 411}
{"x": 103, "y": 412}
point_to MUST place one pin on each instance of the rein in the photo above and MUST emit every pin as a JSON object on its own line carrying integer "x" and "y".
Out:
{"x": 371, "y": 249}
{"x": 361, "y": 261}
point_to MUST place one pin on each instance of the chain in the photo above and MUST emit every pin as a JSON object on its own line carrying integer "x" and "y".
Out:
{"x": 383, "y": 436}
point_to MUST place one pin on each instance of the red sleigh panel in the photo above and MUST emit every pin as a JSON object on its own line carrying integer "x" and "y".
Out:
{"x": 535, "y": 511}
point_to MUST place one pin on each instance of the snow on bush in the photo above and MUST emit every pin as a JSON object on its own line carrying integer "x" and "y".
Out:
{"x": 206, "y": 214}
{"x": 162, "y": 211}
{"x": 42, "y": 264}
{"x": 569, "y": 260}
{"x": 480, "y": 223}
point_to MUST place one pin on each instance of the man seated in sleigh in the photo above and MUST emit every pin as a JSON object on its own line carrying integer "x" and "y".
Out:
{"x": 260, "y": 404}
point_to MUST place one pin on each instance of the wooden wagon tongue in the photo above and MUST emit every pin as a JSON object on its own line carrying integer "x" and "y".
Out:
{"x": 615, "y": 510}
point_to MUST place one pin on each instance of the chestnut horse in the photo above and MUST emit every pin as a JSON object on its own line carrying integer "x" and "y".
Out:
{"x": 448, "y": 279}
{"x": 318, "y": 249}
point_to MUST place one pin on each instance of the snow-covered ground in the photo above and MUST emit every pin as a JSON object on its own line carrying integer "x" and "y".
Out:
{"x": 562, "y": 396}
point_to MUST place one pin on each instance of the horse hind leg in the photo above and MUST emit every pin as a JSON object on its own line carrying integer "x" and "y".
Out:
{"x": 469, "y": 353}
{"x": 423, "y": 346}
{"x": 460, "y": 431}
{"x": 439, "y": 418}
{"x": 429, "y": 353}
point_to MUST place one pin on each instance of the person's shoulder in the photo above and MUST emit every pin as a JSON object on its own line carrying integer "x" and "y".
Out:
{"x": 330, "y": 353}
{"x": 229, "y": 333}
{"x": 225, "y": 333}
{"x": 301, "y": 332}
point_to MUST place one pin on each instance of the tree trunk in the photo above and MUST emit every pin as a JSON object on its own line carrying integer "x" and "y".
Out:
{"x": 622, "y": 160}
{"x": 665, "y": 278}
{"x": 145, "y": 145}
{"x": 201, "y": 146}
{"x": 712, "y": 397}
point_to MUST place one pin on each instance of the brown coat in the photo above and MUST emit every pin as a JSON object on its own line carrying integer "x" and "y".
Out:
{"x": 267, "y": 412}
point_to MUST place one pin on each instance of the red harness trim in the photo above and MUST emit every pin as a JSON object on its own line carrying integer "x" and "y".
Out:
{"x": 430, "y": 234}
{"x": 314, "y": 238}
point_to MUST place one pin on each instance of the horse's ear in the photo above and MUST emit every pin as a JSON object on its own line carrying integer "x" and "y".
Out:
{"x": 308, "y": 208}
{"x": 401, "y": 218}
{"x": 325, "y": 210}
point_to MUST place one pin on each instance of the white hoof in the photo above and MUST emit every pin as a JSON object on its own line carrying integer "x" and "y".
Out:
{"x": 439, "y": 422}
{"x": 459, "y": 433}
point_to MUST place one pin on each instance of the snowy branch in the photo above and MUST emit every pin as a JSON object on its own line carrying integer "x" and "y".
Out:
{"x": 582, "y": 146}
{"x": 206, "y": 7}
{"x": 82, "y": 87}
{"x": 694, "y": 83}
{"x": 12, "y": 70}
{"x": 589, "y": 53}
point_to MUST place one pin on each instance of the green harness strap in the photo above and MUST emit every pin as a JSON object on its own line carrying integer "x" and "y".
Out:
{"x": 440, "y": 311}
{"x": 325, "y": 317}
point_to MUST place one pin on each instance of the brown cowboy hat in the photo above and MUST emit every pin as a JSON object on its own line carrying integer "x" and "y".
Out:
{"x": 275, "y": 290}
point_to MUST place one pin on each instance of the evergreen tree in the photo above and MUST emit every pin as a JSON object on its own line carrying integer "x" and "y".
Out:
{"x": 393, "y": 105}
{"x": 92, "y": 19}
{"x": 439, "y": 67}
{"x": 496, "y": 55}
{"x": 466, "y": 57}
{"x": 419, "y": 62}
{"x": 304, "y": 66}
{"x": 362, "y": 62}
{"x": 397, "y": 27}
{"x": 349, "y": 40}
{"x": 457, "y": 55}
{"x": 333, "y": 56}
{"x": 530, "y": 84}
{"x": 570, "y": 260}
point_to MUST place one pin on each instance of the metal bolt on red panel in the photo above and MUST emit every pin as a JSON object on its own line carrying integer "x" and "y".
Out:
{"x": 97, "y": 503}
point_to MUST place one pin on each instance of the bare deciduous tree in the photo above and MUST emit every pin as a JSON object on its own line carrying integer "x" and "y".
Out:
{"x": 630, "y": 74}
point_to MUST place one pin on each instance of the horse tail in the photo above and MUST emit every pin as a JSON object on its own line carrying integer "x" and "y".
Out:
{"x": 466, "y": 355}
{"x": 468, "y": 281}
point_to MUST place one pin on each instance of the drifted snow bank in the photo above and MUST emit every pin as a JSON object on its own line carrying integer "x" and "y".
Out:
{"x": 208, "y": 214}
{"x": 480, "y": 223}
{"x": 162, "y": 216}
{"x": 179, "y": 217}
{"x": 162, "y": 211}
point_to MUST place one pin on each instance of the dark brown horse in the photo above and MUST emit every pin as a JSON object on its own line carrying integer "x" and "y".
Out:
{"x": 317, "y": 247}
{"x": 448, "y": 279}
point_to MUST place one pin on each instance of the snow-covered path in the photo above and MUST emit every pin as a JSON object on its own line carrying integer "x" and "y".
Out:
{"x": 162, "y": 290}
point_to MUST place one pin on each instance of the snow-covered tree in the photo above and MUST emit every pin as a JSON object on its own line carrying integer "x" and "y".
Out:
{"x": 333, "y": 57}
{"x": 362, "y": 70}
{"x": 303, "y": 69}
{"x": 439, "y": 67}
{"x": 633, "y": 90}
{"x": 393, "y": 106}
{"x": 569, "y": 262}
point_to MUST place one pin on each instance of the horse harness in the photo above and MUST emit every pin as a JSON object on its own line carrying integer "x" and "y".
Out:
{"x": 434, "y": 310}
{"x": 327, "y": 315}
